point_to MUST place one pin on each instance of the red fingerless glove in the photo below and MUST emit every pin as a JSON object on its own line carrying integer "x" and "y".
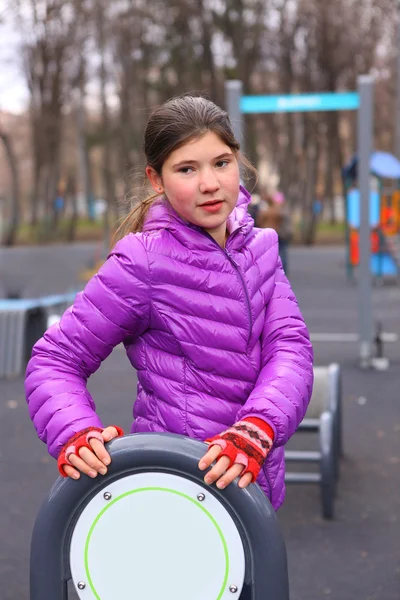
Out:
{"x": 78, "y": 441}
{"x": 246, "y": 443}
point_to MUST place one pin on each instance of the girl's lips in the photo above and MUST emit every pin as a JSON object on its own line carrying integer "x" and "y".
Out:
{"x": 214, "y": 207}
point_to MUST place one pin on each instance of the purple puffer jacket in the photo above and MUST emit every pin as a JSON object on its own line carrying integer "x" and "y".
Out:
{"x": 215, "y": 336}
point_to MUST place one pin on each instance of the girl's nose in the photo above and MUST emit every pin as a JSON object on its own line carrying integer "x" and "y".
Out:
{"x": 209, "y": 182}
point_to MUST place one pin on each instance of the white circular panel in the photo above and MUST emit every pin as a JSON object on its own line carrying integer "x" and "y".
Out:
{"x": 153, "y": 539}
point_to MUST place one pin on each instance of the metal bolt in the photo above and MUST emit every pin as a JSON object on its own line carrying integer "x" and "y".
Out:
{"x": 81, "y": 585}
{"x": 233, "y": 589}
{"x": 107, "y": 496}
{"x": 201, "y": 497}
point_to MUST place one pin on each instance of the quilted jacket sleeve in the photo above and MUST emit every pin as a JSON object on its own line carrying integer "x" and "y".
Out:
{"x": 114, "y": 304}
{"x": 284, "y": 385}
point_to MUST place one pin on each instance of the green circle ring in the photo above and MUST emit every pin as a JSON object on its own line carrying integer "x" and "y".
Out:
{"x": 156, "y": 489}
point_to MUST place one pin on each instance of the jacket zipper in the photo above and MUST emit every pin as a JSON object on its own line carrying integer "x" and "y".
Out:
{"x": 236, "y": 267}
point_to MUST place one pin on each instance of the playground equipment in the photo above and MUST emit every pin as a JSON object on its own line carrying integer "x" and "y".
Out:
{"x": 384, "y": 216}
{"x": 151, "y": 528}
{"x": 324, "y": 416}
{"x": 363, "y": 102}
{"x": 22, "y": 323}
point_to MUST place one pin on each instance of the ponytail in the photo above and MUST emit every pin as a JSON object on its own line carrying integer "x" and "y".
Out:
{"x": 134, "y": 221}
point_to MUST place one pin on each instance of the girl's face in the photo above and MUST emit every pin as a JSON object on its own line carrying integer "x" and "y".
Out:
{"x": 201, "y": 181}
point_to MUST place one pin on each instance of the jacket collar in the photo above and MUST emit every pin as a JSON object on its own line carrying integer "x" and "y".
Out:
{"x": 162, "y": 216}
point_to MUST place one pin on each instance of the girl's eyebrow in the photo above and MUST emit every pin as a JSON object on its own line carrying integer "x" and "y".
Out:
{"x": 195, "y": 162}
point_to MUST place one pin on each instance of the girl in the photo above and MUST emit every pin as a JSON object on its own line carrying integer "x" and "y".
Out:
{"x": 198, "y": 296}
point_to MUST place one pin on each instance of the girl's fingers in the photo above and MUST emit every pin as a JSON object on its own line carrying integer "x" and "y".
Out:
{"x": 245, "y": 480}
{"x": 71, "y": 472}
{"x": 100, "y": 451}
{"x": 92, "y": 461}
{"x": 218, "y": 470}
{"x": 210, "y": 456}
{"x": 109, "y": 433}
{"x": 229, "y": 476}
{"x": 83, "y": 466}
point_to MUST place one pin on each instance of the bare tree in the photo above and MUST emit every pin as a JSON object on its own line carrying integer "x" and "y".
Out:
{"x": 13, "y": 222}
{"x": 49, "y": 33}
{"x": 313, "y": 46}
{"x": 79, "y": 76}
{"x": 139, "y": 56}
{"x": 107, "y": 174}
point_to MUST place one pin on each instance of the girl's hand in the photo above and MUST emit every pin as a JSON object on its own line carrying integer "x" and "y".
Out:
{"x": 219, "y": 472}
{"x": 91, "y": 462}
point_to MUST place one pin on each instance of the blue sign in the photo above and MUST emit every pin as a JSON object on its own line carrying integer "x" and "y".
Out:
{"x": 300, "y": 103}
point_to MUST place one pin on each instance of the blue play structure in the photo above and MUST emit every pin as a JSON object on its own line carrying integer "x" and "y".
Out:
{"x": 384, "y": 215}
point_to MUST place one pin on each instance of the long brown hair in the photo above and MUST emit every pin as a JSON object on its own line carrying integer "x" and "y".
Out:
{"x": 169, "y": 127}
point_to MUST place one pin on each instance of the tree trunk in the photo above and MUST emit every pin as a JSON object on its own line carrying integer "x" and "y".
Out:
{"x": 330, "y": 169}
{"x": 53, "y": 185}
{"x": 71, "y": 196}
{"x": 208, "y": 56}
{"x": 11, "y": 232}
{"x": 84, "y": 164}
{"x": 309, "y": 221}
{"x": 108, "y": 186}
{"x": 35, "y": 198}
{"x": 339, "y": 153}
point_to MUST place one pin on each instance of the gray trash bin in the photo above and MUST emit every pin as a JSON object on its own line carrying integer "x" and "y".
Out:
{"x": 35, "y": 328}
{"x": 151, "y": 529}
{"x": 22, "y": 323}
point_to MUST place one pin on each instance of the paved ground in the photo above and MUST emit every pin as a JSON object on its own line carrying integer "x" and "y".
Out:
{"x": 354, "y": 557}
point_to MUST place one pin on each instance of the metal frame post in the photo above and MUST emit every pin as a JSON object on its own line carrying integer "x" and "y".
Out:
{"x": 233, "y": 94}
{"x": 364, "y": 141}
{"x": 397, "y": 105}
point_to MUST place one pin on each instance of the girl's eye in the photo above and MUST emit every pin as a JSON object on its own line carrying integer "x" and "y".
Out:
{"x": 221, "y": 163}
{"x": 185, "y": 170}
